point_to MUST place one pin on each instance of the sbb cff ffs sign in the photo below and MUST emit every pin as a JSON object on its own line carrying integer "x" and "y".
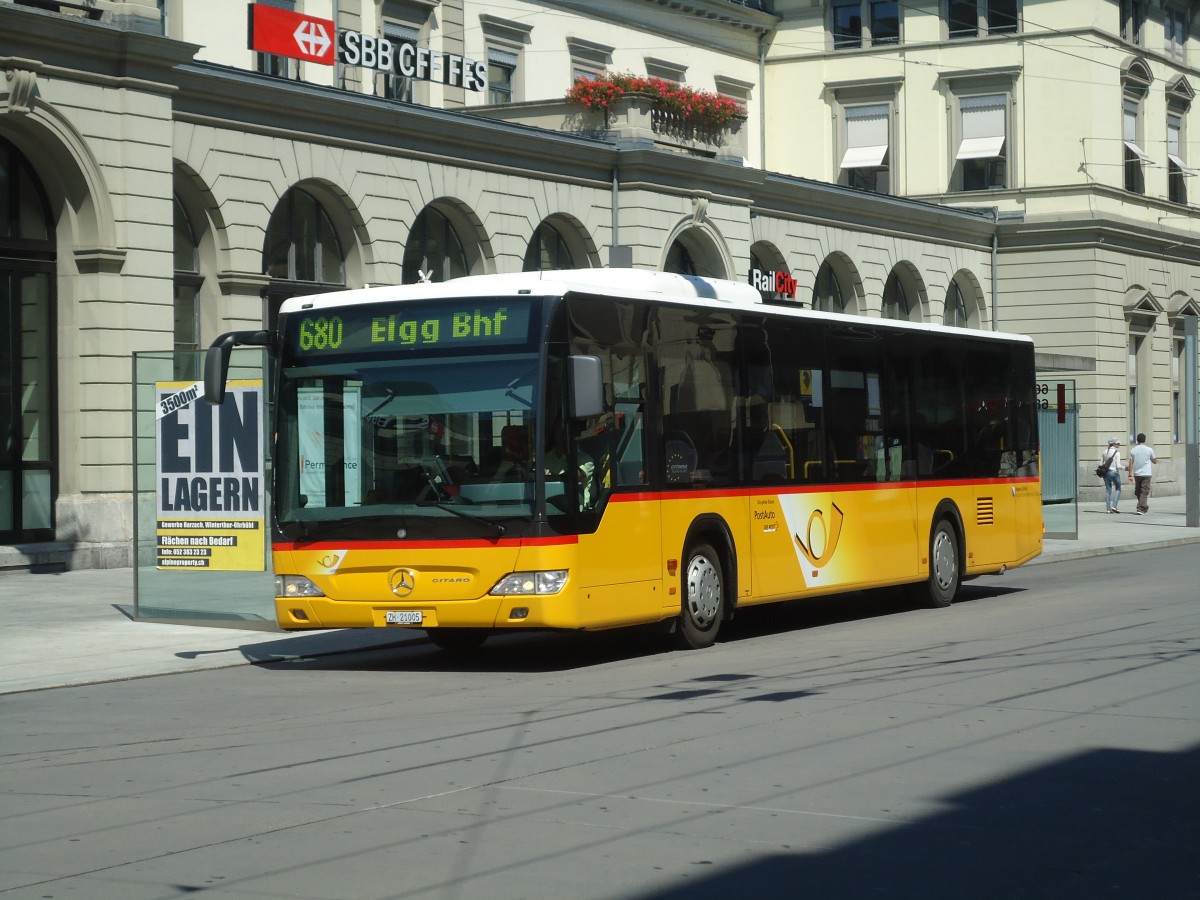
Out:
{"x": 297, "y": 36}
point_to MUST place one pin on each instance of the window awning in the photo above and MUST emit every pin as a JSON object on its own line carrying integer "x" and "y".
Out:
{"x": 1139, "y": 152}
{"x": 981, "y": 147}
{"x": 1181, "y": 165}
{"x": 865, "y": 157}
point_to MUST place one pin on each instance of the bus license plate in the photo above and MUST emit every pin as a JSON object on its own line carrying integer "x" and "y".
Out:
{"x": 402, "y": 617}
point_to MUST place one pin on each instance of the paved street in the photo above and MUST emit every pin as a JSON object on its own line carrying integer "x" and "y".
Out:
{"x": 78, "y": 627}
{"x": 1038, "y": 739}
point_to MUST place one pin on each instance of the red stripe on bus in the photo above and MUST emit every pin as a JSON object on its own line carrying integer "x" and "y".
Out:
{"x": 761, "y": 491}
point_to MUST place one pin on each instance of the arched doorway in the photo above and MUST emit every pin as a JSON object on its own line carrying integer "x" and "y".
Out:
{"x": 28, "y": 398}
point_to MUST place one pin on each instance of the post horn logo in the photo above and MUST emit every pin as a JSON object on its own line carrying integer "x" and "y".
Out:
{"x": 830, "y": 535}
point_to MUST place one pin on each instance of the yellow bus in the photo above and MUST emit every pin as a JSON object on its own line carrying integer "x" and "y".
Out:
{"x": 600, "y": 448}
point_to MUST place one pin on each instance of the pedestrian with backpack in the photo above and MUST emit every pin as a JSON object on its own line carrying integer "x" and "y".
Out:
{"x": 1111, "y": 464}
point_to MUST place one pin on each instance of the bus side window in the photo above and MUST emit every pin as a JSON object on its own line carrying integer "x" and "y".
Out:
{"x": 940, "y": 422}
{"x": 614, "y": 441}
{"x": 697, "y": 388}
{"x": 789, "y": 448}
{"x": 856, "y": 440}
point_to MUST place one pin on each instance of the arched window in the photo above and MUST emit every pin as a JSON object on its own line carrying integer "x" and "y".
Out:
{"x": 28, "y": 426}
{"x": 187, "y": 289}
{"x": 301, "y": 242}
{"x": 302, "y": 252}
{"x": 434, "y": 251}
{"x": 547, "y": 250}
{"x": 956, "y": 307}
{"x": 827, "y": 295}
{"x": 895, "y": 299}
{"x": 692, "y": 253}
{"x": 679, "y": 260}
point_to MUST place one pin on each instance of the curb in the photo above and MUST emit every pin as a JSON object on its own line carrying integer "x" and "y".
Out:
{"x": 1093, "y": 551}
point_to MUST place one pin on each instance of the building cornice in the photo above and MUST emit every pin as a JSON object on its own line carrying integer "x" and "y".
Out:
{"x": 77, "y": 48}
{"x": 801, "y": 199}
{"x": 728, "y": 27}
{"x": 224, "y": 97}
{"x": 1113, "y": 234}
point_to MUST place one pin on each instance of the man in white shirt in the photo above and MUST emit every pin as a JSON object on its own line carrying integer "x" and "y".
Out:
{"x": 1141, "y": 464}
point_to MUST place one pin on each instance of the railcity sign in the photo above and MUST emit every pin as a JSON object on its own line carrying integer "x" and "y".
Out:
{"x": 782, "y": 283}
{"x": 316, "y": 40}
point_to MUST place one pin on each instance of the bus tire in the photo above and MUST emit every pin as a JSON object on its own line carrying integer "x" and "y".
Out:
{"x": 459, "y": 641}
{"x": 945, "y": 565}
{"x": 703, "y": 584}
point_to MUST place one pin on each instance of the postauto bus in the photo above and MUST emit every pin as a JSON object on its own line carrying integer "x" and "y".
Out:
{"x": 592, "y": 449}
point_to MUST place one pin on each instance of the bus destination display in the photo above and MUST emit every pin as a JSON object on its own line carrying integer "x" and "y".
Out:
{"x": 395, "y": 327}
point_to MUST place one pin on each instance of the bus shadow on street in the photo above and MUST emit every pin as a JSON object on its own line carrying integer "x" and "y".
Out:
{"x": 548, "y": 651}
{"x": 833, "y": 609}
{"x": 1102, "y": 823}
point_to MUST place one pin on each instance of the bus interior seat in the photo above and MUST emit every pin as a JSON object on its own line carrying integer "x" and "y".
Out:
{"x": 461, "y": 468}
{"x": 770, "y": 463}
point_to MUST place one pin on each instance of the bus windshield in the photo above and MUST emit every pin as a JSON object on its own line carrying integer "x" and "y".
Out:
{"x": 431, "y": 440}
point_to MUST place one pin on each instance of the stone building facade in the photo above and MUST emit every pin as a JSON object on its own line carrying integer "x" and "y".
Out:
{"x": 166, "y": 183}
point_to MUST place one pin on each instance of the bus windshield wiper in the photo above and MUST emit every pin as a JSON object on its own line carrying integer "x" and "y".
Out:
{"x": 321, "y": 528}
{"x": 495, "y": 526}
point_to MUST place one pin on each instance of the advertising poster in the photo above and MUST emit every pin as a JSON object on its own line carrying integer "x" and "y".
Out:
{"x": 211, "y": 490}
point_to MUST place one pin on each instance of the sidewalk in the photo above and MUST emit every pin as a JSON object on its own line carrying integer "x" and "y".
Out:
{"x": 70, "y": 628}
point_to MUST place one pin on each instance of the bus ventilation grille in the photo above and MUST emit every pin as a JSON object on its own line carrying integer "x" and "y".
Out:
{"x": 985, "y": 511}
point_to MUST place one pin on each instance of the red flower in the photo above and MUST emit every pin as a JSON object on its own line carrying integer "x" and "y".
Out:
{"x": 694, "y": 107}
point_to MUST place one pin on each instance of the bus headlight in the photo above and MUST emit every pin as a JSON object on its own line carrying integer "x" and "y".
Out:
{"x": 296, "y": 586}
{"x": 525, "y": 583}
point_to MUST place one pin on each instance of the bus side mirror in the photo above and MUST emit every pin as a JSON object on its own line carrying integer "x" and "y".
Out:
{"x": 585, "y": 386}
{"x": 216, "y": 360}
{"x": 216, "y": 371}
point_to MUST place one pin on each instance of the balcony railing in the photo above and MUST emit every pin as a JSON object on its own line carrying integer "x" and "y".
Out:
{"x": 630, "y": 122}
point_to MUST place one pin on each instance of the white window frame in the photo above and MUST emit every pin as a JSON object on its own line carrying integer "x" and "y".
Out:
{"x": 1177, "y": 167}
{"x": 1175, "y": 32}
{"x": 866, "y": 37}
{"x": 505, "y": 61}
{"x": 1133, "y": 21}
{"x": 983, "y": 21}
{"x": 665, "y": 69}
{"x": 982, "y": 130}
{"x": 848, "y": 100}
{"x": 393, "y": 86}
{"x": 588, "y": 59}
{"x": 968, "y": 90}
{"x": 1135, "y": 158}
{"x": 866, "y": 136}
{"x": 504, "y": 43}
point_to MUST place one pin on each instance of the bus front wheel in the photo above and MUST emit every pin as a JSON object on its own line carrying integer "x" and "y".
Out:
{"x": 703, "y": 598}
{"x": 945, "y": 572}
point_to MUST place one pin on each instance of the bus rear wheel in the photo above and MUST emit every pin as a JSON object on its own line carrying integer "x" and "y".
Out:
{"x": 703, "y": 586}
{"x": 945, "y": 571}
{"x": 458, "y": 640}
